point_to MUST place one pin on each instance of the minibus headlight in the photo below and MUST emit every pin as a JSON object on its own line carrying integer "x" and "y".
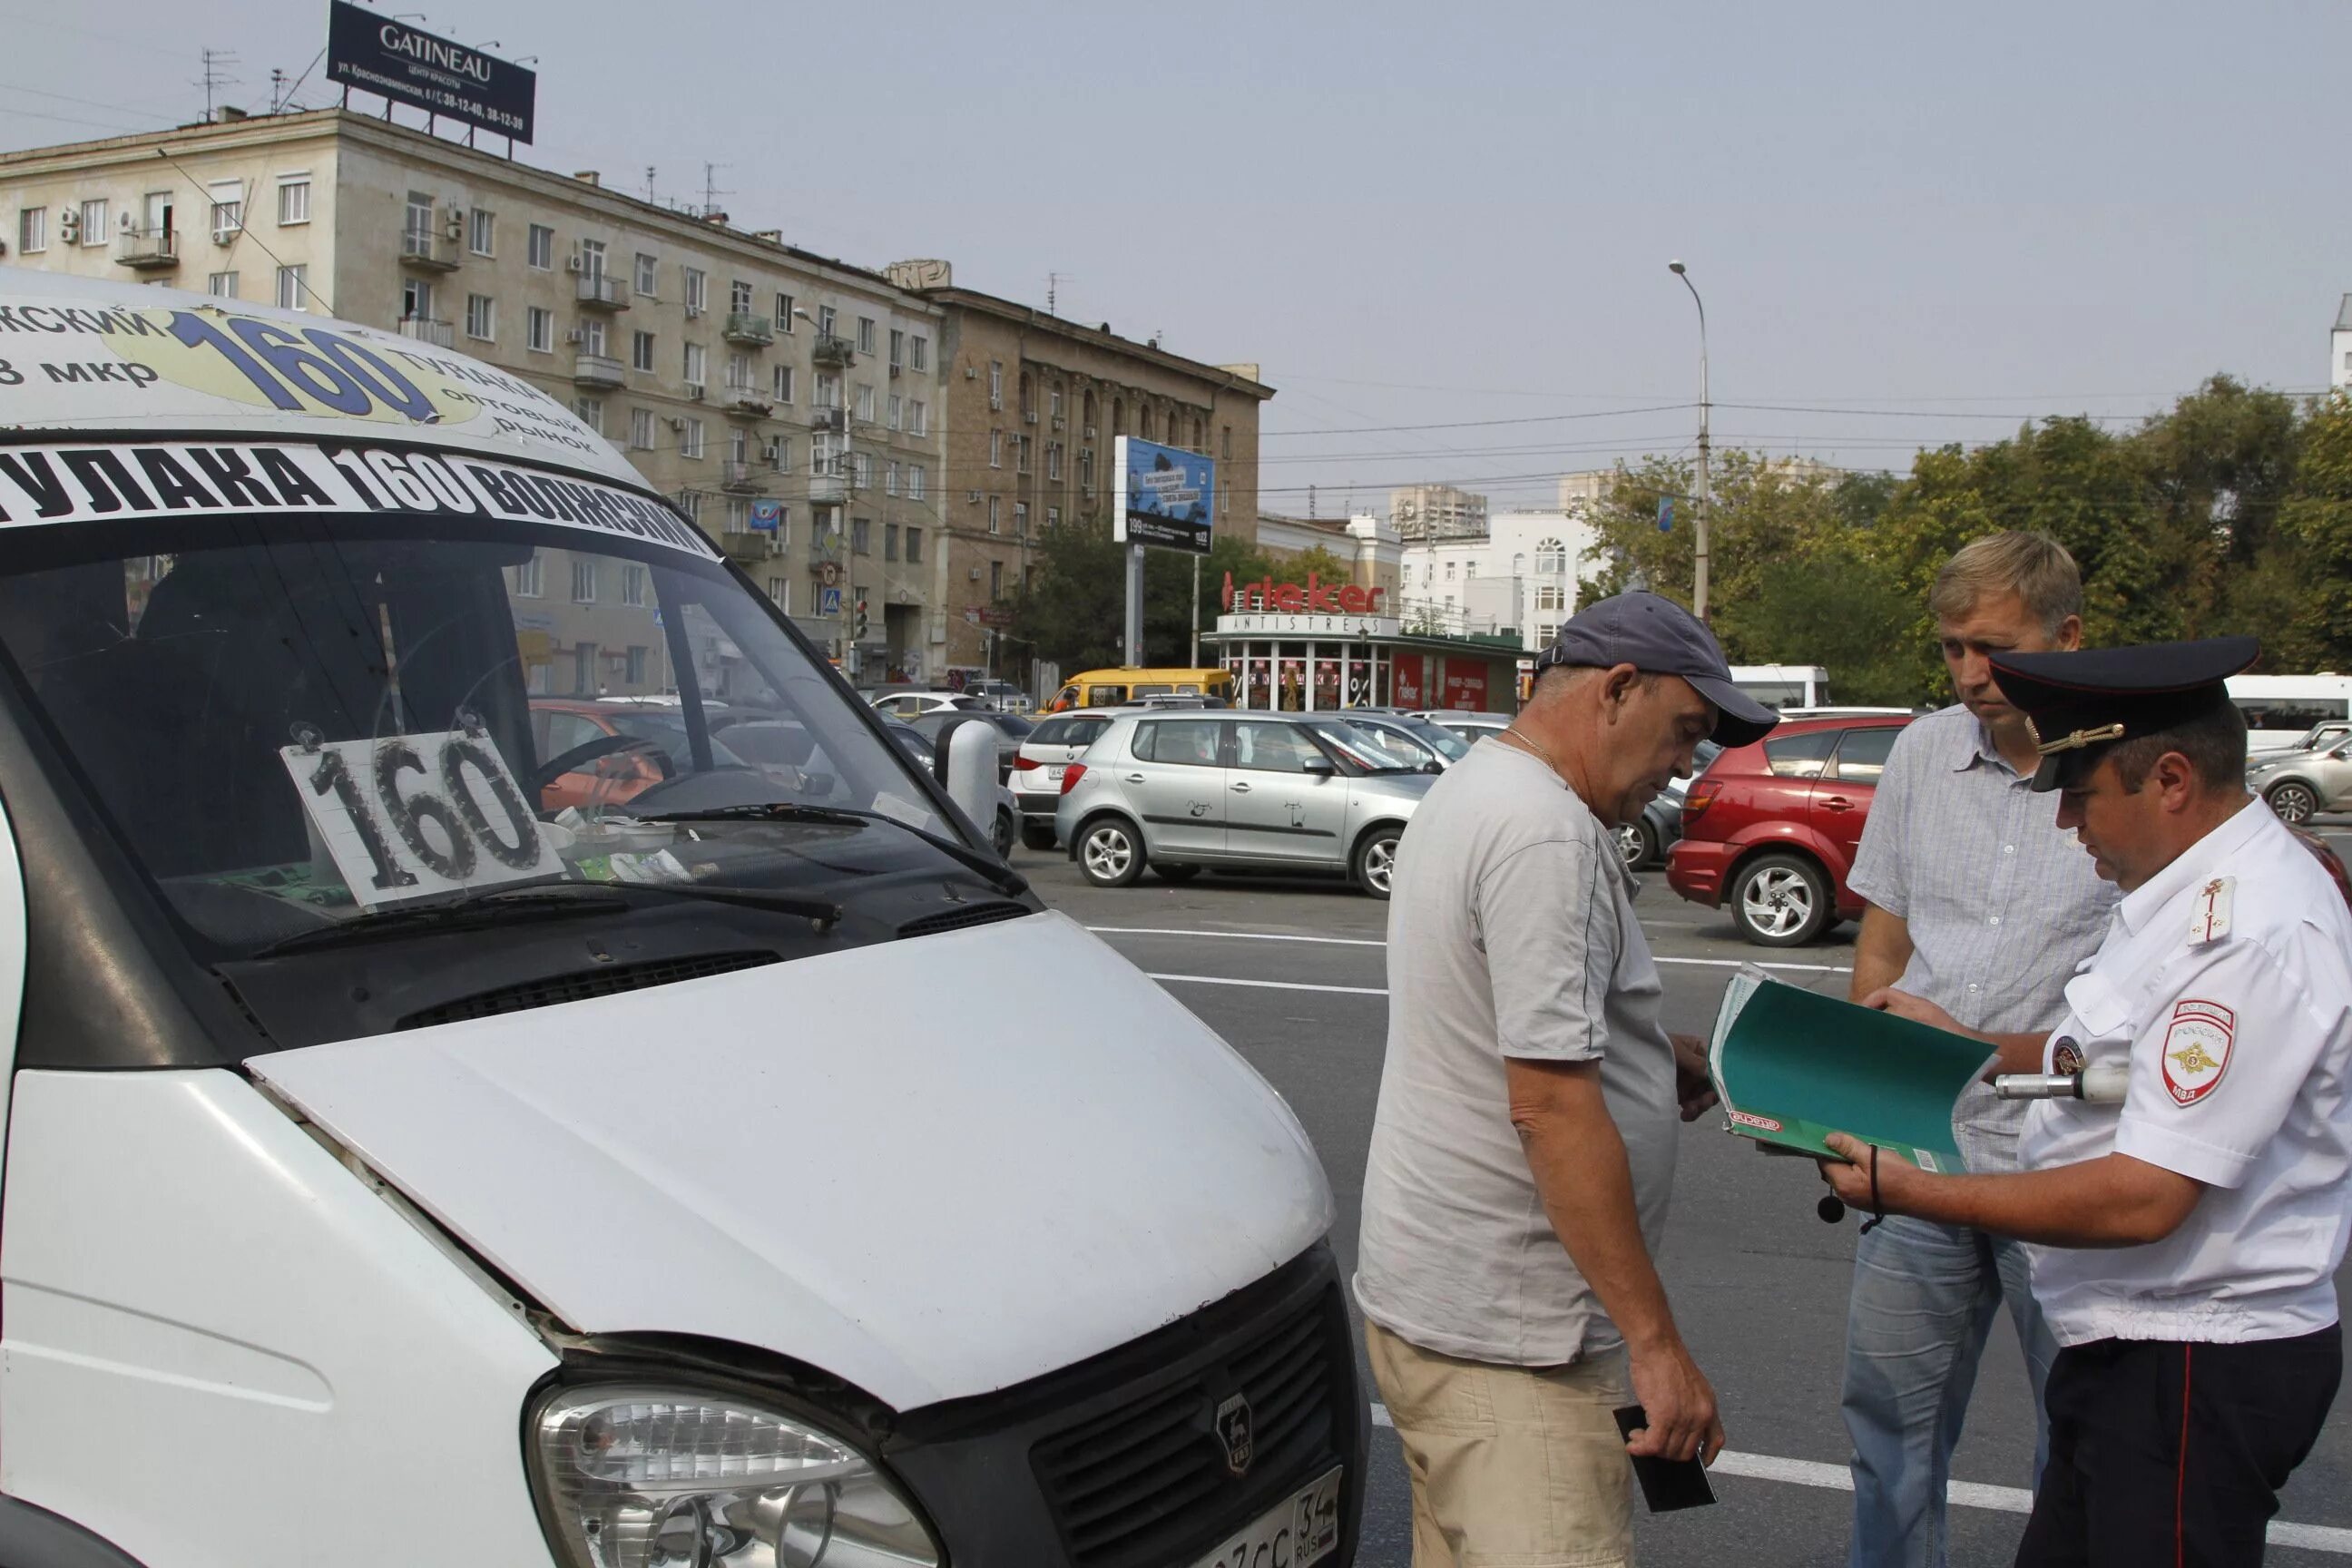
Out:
{"x": 643, "y": 1477}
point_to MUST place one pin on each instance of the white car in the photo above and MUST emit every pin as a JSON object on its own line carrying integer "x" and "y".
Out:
{"x": 1046, "y": 754}
{"x": 914, "y": 704}
{"x": 1000, "y": 695}
{"x": 1470, "y": 727}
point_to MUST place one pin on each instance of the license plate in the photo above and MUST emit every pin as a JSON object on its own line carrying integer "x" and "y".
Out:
{"x": 1054, "y": 774}
{"x": 1302, "y": 1531}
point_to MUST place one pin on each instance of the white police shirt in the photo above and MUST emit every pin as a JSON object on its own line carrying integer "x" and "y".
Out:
{"x": 2226, "y": 981}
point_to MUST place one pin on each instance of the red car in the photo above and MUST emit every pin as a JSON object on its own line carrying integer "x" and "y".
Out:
{"x": 1770, "y": 828}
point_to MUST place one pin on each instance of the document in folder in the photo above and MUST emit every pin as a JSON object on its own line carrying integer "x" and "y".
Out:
{"x": 1793, "y": 1067}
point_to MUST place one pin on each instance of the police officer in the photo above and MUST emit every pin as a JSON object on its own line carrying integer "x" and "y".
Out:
{"x": 2185, "y": 1241}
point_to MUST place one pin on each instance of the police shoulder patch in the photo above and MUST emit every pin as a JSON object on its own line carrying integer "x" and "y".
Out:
{"x": 2197, "y": 1049}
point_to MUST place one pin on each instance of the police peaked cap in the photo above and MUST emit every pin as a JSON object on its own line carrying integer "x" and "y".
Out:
{"x": 2081, "y": 703}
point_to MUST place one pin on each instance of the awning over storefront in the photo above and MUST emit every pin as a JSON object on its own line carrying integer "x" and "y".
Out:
{"x": 1304, "y": 663}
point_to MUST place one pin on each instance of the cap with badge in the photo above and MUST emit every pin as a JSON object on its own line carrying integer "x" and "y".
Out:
{"x": 1658, "y": 636}
{"x": 2081, "y": 703}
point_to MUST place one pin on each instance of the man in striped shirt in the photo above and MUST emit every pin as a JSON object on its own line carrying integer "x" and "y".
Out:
{"x": 1975, "y": 900}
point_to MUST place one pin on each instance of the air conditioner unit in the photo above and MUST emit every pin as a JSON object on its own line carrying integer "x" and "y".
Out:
{"x": 771, "y": 451}
{"x": 677, "y": 422}
{"x": 693, "y": 392}
{"x": 1030, "y": 417}
{"x": 972, "y": 498}
{"x": 975, "y": 573}
{"x": 68, "y": 225}
{"x": 894, "y": 369}
{"x": 692, "y": 312}
{"x": 1090, "y": 432}
{"x": 972, "y": 372}
{"x": 453, "y": 226}
{"x": 572, "y": 262}
{"x": 575, "y": 336}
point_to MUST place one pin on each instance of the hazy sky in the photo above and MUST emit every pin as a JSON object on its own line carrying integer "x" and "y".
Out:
{"x": 1933, "y": 221}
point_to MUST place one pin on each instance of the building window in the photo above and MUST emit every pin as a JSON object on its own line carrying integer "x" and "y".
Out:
{"x": 691, "y": 447}
{"x": 641, "y": 429}
{"x": 584, "y": 579}
{"x": 739, "y": 445}
{"x": 33, "y": 230}
{"x": 861, "y": 470}
{"x": 221, "y": 285}
{"x": 861, "y": 536}
{"x": 779, "y": 590}
{"x": 1053, "y": 518}
{"x": 689, "y": 501}
{"x": 1469, "y": 569}
{"x": 995, "y": 579}
{"x": 590, "y": 411}
{"x": 1086, "y": 466}
{"x": 539, "y": 330}
{"x": 293, "y": 200}
{"x": 890, "y": 478}
{"x": 995, "y": 515}
{"x": 739, "y": 372}
{"x": 696, "y": 364}
{"x": 918, "y": 417}
{"x": 739, "y": 516}
{"x": 783, "y": 524}
{"x": 865, "y": 405}
{"x": 1449, "y": 571}
{"x": 738, "y": 296}
{"x": 1054, "y": 458}
{"x": 783, "y": 380}
{"x": 828, "y": 390}
{"x": 1020, "y": 454}
{"x": 1021, "y": 519}
{"x": 1547, "y": 633}
{"x": 648, "y": 275}
{"x": 996, "y": 383}
{"x": 93, "y": 223}
{"x": 1550, "y": 597}
{"x": 637, "y": 665}
{"x": 918, "y": 351}
{"x": 1226, "y": 446}
{"x": 228, "y": 212}
{"x": 897, "y": 411}
{"x": 294, "y": 288}
{"x": 897, "y": 348}
{"x": 826, "y": 317}
{"x": 1053, "y": 402}
{"x": 918, "y": 478}
{"x": 865, "y": 334}
{"x": 915, "y": 544}
{"x": 783, "y": 311}
{"x": 541, "y": 248}
{"x": 584, "y": 669}
{"x": 780, "y": 453}
{"x": 697, "y": 290}
{"x": 996, "y": 448}
{"x": 1028, "y": 396}
{"x": 633, "y": 589}
{"x": 641, "y": 351}
{"x": 482, "y": 230}
{"x": 1551, "y": 557}
{"x": 530, "y": 578}
{"x": 890, "y": 541}
{"x": 591, "y": 336}
{"x": 482, "y": 317}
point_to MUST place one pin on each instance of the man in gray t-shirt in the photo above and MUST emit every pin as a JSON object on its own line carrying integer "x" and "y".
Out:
{"x": 1523, "y": 1147}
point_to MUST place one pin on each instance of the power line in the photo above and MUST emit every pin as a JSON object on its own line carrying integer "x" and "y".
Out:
{"x": 89, "y": 102}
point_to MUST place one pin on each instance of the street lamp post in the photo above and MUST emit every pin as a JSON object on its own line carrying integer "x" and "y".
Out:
{"x": 848, "y": 611}
{"x": 1698, "y": 526}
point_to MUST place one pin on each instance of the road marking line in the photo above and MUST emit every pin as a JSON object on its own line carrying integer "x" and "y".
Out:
{"x": 1270, "y": 985}
{"x": 1361, "y": 941}
{"x": 1959, "y": 1494}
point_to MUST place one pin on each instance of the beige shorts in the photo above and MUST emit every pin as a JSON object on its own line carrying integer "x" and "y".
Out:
{"x": 1512, "y": 1467}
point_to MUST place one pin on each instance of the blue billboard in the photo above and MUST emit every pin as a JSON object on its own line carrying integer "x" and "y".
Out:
{"x": 1167, "y": 495}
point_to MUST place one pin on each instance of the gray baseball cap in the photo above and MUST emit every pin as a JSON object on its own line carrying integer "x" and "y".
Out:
{"x": 1659, "y": 637}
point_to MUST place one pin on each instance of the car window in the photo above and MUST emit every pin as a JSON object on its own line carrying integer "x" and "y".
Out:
{"x": 1800, "y": 756}
{"x": 1106, "y": 696}
{"x": 1081, "y": 731}
{"x": 1049, "y": 733}
{"x": 566, "y": 729}
{"x": 1273, "y": 747}
{"x": 1407, "y": 747}
{"x": 1862, "y": 755}
{"x": 1192, "y": 742}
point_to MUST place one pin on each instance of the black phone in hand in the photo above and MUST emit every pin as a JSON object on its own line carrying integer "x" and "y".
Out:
{"x": 1666, "y": 1484}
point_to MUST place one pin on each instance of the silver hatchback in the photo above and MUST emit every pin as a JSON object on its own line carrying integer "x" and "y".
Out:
{"x": 2301, "y": 784}
{"x": 1270, "y": 792}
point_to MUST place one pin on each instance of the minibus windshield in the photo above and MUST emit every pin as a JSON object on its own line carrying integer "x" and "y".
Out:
{"x": 296, "y": 721}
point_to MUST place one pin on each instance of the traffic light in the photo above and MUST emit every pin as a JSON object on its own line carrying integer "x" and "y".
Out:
{"x": 860, "y": 623}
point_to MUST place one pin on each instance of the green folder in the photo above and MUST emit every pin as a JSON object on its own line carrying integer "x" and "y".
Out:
{"x": 1793, "y": 1067}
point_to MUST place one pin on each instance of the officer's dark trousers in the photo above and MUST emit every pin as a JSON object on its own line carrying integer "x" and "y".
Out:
{"x": 2165, "y": 1455}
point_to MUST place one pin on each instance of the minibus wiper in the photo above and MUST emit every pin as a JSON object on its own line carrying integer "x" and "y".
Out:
{"x": 997, "y": 874}
{"x": 544, "y": 901}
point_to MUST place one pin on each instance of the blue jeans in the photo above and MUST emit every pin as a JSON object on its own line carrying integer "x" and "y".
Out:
{"x": 1924, "y": 1296}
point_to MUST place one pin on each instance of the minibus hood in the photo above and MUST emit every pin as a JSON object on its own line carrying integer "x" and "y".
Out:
{"x": 933, "y": 1168}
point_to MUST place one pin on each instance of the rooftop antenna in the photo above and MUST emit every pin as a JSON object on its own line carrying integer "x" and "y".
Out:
{"x": 649, "y": 182}
{"x": 710, "y": 191}
{"x": 218, "y": 64}
{"x": 1310, "y": 503}
{"x": 1053, "y": 292}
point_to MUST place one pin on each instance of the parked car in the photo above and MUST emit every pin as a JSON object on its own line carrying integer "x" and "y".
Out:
{"x": 912, "y": 704}
{"x": 1433, "y": 746}
{"x": 1011, "y": 728}
{"x": 1000, "y": 695}
{"x": 1644, "y": 843}
{"x": 918, "y": 745}
{"x": 1471, "y": 727}
{"x": 1059, "y": 740}
{"x": 1769, "y": 829}
{"x": 1265, "y": 791}
{"x": 2301, "y": 784}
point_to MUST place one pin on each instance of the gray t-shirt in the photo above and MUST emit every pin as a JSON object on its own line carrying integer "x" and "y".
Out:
{"x": 1511, "y": 934}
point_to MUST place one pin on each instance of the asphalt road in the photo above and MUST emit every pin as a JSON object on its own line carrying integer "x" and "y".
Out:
{"x": 1292, "y": 972}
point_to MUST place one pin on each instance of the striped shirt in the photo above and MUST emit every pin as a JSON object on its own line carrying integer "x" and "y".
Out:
{"x": 2000, "y": 904}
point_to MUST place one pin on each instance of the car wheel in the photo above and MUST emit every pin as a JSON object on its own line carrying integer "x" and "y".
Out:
{"x": 1635, "y": 845}
{"x": 1109, "y": 854}
{"x": 1038, "y": 834}
{"x": 1008, "y": 827}
{"x": 1174, "y": 873}
{"x": 2293, "y": 802}
{"x": 1375, "y": 866}
{"x": 1780, "y": 900}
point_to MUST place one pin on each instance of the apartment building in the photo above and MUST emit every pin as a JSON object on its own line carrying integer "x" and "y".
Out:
{"x": 1423, "y": 512}
{"x": 1525, "y": 575}
{"x": 791, "y": 404}
{"x": 1032, "y": 404}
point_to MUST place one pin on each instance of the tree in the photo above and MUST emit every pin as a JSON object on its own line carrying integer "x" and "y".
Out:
{"x": 2314, "y": 629}
{"x": 1075, "y": 612}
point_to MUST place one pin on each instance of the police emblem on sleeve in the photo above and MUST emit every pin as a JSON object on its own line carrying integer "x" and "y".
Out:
{"x": 2197, "y": 1049}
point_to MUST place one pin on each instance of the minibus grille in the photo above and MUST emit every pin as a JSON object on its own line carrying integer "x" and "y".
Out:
{"x": 606, "y": 980}
{"x": 1130, "y": 1485}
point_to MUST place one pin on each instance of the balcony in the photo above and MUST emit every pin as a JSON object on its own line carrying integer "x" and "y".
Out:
{"x": 748, "y": 328}
{"x": 597, "y": 292}
{"x": 747, "y": 547}
{"x": 824, "y": 419}
{"x": 427, "y": 252}
{"x": 149, "y": 250}
{"x": 425, "y": 330}
{"x": 832, "y": 352}
{"x": 598, "y": 370}
{"x": 748, "y": 402}
{"x": 741, "y": 479}
{"x": 828, "y": 489}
